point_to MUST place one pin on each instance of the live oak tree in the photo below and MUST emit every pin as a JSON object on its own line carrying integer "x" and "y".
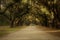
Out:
{"x": 47, "y": 11}
{"x": 14, "y": 11}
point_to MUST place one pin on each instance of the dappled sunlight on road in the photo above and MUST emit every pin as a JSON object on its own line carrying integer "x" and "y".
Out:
{"x": 30, "y": 29}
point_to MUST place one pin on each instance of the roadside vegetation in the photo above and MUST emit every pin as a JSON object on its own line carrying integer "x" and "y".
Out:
{"x": 5, "y": 30}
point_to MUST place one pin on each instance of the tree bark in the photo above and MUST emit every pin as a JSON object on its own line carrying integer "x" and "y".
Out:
{"x": 12, "y": 24}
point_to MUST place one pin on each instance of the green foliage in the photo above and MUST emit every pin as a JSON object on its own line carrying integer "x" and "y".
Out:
{"x": 46, "y": 11}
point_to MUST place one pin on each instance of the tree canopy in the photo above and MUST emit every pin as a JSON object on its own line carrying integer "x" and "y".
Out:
{"x": 17, "y": 11}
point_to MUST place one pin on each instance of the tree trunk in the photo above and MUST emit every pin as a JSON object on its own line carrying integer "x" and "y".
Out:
{"x": 12, "y": 24}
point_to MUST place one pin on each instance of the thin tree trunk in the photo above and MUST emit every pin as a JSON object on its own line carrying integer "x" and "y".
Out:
{"x": 12, "y": 24}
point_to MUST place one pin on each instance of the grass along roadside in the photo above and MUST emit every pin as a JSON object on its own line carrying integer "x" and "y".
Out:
{"x": 51, "y": 31}
{"x": 47, "y": 29}
{"x": 6, "y": 30}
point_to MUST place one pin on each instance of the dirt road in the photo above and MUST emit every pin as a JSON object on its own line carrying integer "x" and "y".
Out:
{"x": 30, "y": 33}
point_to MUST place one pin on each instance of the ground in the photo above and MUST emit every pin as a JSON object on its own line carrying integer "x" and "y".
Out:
{"x": 31, "y": 33}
